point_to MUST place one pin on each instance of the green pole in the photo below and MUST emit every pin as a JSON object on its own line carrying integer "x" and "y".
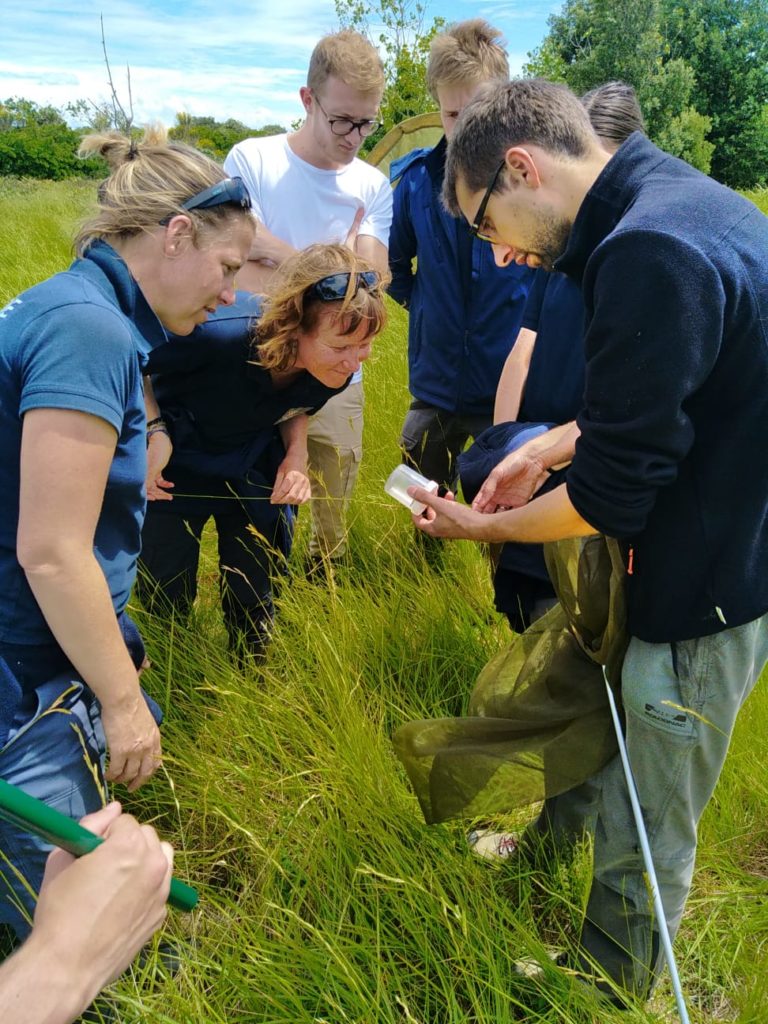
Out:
{"x": 32, "y": 815}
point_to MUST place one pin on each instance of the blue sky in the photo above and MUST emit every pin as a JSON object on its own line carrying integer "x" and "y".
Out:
{"x": 224, "y": 58}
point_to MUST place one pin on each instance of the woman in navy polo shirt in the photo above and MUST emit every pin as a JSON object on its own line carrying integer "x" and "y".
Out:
{"x": 235, "y": 398}
{"x": 160, "y": 253}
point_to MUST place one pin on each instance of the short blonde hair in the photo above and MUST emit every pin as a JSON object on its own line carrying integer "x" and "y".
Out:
{"x": 150, "y": 179}
{"x": 467, "y": 53}
{"x": 288, "y": 308}
{"x": 350, "y": 57}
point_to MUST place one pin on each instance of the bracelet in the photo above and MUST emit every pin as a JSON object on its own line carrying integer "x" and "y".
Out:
{"x": 158, "y": 421}
{"x": 159, "y": 429}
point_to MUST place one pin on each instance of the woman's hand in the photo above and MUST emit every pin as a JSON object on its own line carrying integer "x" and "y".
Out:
{"x": 133, "y": 741}
{"x": 291, "y": 485}
{"x": 159, "y": 451}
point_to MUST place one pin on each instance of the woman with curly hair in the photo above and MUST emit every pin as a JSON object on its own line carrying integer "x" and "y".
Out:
{"x": 159, "y": 254}
{"x": 235, "y": 398}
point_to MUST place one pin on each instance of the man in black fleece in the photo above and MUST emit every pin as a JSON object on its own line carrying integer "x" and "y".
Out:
{"x": 672, "y": 459}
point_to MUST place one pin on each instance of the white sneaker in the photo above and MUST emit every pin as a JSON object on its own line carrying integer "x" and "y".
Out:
{"x": 493, "y": 845}
{"x": 530, "y": 967}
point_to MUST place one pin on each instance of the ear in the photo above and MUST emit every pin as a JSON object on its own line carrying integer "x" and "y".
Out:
{"x": 179, "y": 235}
{"x": 305, "y": 95}
{"x": 522, "y": 166}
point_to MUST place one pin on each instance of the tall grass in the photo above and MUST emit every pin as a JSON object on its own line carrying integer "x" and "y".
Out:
{"x": 324, "y": 898}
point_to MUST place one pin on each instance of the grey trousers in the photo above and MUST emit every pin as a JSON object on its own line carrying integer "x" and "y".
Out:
{"x": 432, "y": 439}
{"x": 681, "y": 703}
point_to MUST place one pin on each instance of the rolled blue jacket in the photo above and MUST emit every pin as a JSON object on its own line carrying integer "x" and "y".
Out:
{"x": 465, "y": 312}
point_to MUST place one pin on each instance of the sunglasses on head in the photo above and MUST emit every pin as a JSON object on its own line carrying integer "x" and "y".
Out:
{"x": 334, "y": 288}
{"x": 230, "y": 190}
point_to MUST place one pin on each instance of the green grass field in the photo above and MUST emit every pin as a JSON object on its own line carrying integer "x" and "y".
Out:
{"x": 324, "y": 898}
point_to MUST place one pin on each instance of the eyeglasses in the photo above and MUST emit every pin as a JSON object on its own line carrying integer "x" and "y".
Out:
{"x": 334, "y": 288}
{"x": 345, "y": 125}
{"x": 229, "y": 190}
{"x": 474, "y": 227}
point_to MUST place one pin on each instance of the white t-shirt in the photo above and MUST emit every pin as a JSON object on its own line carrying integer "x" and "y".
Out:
{"x": 303, "y": 204}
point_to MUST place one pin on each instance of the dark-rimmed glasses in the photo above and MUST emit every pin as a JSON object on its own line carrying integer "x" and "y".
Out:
{"x": 229, "y": 190}
{"x": 474, "y": 227}
{"x": 345, "y": 125}
{"x": 334, "y": 288}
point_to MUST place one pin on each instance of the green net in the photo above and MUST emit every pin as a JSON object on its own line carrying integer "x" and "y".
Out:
{"x": 538, "y": 721}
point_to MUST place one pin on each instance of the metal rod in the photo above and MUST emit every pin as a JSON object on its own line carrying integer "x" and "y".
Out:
{"x": 661, "y": 918}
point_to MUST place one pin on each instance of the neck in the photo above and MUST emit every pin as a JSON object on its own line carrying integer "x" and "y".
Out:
{"x": 303, "y": 145}
{"x": 581, "y": 177}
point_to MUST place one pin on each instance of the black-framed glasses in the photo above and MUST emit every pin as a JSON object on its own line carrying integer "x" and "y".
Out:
{"x": 334, "y": 288}
{"x": 229, "y": 190}
{"x": 474, "y": 227}
{"x": 345, "y": 125}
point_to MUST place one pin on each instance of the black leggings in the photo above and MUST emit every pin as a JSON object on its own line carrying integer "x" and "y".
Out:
{"x": 249, "y": 566}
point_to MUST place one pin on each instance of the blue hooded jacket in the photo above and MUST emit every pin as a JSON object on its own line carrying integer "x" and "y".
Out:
{"x": 465, "y": 312}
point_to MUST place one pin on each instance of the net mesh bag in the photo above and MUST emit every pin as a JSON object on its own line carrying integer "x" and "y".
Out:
{"x": 538, "y": 721}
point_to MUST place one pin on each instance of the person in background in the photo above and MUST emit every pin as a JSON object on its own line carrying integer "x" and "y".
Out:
{"x": 236, "y": 397}
{"x": 93, "y": 915}
{"x": 464, "y": 312}
{"x": 309, "y": 186}
{"x": 160, "y": 253}
{"x": 671, "y": 459}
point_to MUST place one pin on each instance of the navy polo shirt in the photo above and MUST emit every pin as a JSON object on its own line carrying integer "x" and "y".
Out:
{"x": 554, "y": 388}
{"x": 74, "y": 342}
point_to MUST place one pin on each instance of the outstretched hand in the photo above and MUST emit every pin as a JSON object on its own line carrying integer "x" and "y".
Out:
{"x": 510, "y": 484}
{"x": 446, "y": 517}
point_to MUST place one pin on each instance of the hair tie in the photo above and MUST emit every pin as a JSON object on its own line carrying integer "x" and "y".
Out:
{"x": 133, "y": 150}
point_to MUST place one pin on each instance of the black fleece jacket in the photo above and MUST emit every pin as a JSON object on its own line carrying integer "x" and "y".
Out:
{"x": 673, "y": 454}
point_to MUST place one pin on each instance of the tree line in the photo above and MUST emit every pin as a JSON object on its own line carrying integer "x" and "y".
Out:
{"x": 700, "y": 69}
{"x": 37, "y": 141}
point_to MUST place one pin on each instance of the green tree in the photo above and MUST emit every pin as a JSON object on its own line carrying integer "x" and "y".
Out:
{"x": 216, "y": 137}
{"x": 700, "y": 68}
{"x": 36, "y": 142}
{"x": 400, "y": 30}
{"x": 725, "y": 42}
{"x": 595, "y": 41}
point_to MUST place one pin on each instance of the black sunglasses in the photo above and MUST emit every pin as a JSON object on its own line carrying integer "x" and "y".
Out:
{"x": 334, "y": 288}
{"x": 229, "y": 190}
{"x": 474, "y": 227}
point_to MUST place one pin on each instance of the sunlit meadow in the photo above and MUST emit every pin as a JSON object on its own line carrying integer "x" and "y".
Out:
{"x": 324, "y": 897}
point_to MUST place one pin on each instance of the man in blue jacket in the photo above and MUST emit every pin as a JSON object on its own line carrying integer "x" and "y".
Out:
{"x": 672, "y": 459}
{"x": 464, "y": 311}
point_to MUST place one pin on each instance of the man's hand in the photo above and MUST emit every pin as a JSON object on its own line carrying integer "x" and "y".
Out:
{"x": 95, "y": 913}
{"x": 446, "y": 517}
{"x": 510, "y": 484}
{"x": 159, "y": 451}
{"x": 133, "y": 741}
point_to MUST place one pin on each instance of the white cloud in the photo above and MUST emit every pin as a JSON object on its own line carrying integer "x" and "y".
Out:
{"x": 244, "y": 58}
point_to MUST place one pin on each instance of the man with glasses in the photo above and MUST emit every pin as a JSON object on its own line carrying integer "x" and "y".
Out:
{"x": 672, "y": 459}
{"x": 464, "y": 312}
{"x": 309, "y": 186}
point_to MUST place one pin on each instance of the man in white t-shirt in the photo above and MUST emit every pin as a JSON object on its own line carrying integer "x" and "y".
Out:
{"x": 309, "y": 187}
